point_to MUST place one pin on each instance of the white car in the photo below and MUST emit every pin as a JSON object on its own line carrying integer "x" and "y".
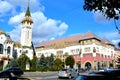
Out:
{"x": 67, "y": 73}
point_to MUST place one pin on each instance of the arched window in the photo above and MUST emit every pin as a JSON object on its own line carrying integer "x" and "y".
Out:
{"x": 1, "y": 49}
{"x": 8, "y": 50}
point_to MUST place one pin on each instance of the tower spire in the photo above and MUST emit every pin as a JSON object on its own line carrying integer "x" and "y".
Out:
{"x": 28, "y": 10}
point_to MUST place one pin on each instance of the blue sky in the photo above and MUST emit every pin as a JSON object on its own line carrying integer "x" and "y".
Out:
{"x": 54, "y": 19}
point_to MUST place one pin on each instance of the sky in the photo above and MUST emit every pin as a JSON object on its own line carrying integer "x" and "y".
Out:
{"x": 54, "y": 19}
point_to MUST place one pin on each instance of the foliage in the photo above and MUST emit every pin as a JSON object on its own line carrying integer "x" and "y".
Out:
{"x": 69, "y": 61}
{"x": 118, "y": 61}
{"x": 15, "y": 54}
{"x": 43, "y": 62}
{"x": 22, "y": 60}
{"x": 58, "y": 64}
{"x": 109, "y": 8}
{"x": 13, "y": 62}
{"x": 33, "y": 66}
{"x": 51, "y": 61}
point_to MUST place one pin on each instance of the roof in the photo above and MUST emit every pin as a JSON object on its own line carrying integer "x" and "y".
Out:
{"x": 106, "y": 41}
{"x": 27, "y": 16}
{"x": 74, "y": 38}
{"x": 1, "y": 31}
{"x": 28, "y": 19}
{"x": 28, "y": 12}
{"x": 17, "y": 44}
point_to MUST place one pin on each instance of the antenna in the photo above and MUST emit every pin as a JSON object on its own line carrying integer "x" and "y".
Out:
{"x": 28, "y": 2}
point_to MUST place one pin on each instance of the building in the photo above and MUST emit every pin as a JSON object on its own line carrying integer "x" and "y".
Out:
{"x": 117, "y": 55}
{"x": 8, "y": 46}
{"x": 88, "y": 50}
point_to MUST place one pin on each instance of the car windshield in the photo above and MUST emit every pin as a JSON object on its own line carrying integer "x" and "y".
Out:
{"x": 63, "y": 69}
{"x": 79, "y": 78}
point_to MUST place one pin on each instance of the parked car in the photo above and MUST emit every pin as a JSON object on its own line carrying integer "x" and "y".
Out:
{"x": 113, "y": 74}
{"x": 67, "y": 73}
{"x": 12, "y": 71}
{"x": 91, "y": 77}
{"x": 81, "y": 70}
{"x": 104, "y": 69}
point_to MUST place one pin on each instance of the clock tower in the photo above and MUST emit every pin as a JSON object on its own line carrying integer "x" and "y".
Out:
{"x": 26, "y": 26}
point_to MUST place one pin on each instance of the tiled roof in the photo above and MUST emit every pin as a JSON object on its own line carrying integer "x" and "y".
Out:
{"x": 28, "y": 19}
{"x": 75, "y": 38}
{"x": 17, "y": 44}
{"x": 1, "y": 31}
{"x": 106, "y": 41}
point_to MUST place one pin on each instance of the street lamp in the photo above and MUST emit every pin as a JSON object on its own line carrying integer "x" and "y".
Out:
{"x": 80, "y": 58}
{"x": 5, "y": 52}
{"x": 94, "y": 55}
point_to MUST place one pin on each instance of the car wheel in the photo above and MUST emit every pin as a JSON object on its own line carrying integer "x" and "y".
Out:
{"x": 59, "y": 77}
{"x": 70, "y": 76}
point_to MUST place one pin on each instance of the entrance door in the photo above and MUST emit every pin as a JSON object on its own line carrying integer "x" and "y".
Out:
{"x": 88, "y": 66}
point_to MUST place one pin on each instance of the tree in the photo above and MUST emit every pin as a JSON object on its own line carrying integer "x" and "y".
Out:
{"x": 118, "y": 62}
{"x": 13, "y": 62}
{"x": 22, "y": 60}
{"x": 43, "y": 63}
{"x": 34, "y": 63}
{"x": 15, "y": 54}
{"x": 109, "y": 8}
{"x": 69, "y": 61}
{"x": 58, "y": 64}
{"x": 51, "y": 60}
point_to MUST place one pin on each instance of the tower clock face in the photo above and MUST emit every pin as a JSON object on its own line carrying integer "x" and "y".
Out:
{"x": 28, "y": 27}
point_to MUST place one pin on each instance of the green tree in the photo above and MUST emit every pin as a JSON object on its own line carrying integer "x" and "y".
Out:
{"x": 13, "y": 62}
{"x": 69, "y": 61}
{"x": 34, "y": 63}
{"x": 51, "y": 61}
{"x": 118, "y": 62}
{"x": 22, "y": 60}
{"x": 57, "y": 64}
{"x": 15, "y": 54}
{"x": 43, "y": 63}
{"x": 109, "y": 8}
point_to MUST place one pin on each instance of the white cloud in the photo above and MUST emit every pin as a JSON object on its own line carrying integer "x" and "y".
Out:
{"x": 109, "y": 35}
{"x": 34, "y": 4}
{"x": 15, "y": 34}
{"x": 100, "y": 18}
{"x": 15, "y": 20}
{"x": 114, "y": 37}
{"x": 116, "y": 42}
{"x": 43, "y": 28}
{"x": 5, "y": 6}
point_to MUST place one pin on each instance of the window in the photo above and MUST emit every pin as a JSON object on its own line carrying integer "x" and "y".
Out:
{"x": 8, "y": 49}
{"x": 26, "y": 51}
{"x": 1, "y": 49}
{"x": 87, "y": 49}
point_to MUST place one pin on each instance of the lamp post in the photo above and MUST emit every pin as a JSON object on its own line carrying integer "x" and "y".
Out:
{"x": 5, "y": 52}
{"x": 80, "y": 58}
{"x": 94, "y": 56}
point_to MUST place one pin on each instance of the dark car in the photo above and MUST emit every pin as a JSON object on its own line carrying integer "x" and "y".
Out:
{"x": 112, "y": 74}
{"x": 91, "y": 77}
{"x": 12, "y": 71}
{"x": 81, "y": 70}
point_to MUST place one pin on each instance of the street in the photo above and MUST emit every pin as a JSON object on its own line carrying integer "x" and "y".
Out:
{"x": 42, "y": 75}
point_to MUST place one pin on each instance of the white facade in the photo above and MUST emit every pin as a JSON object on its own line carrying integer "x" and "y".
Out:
{"x": 26, "y": 34}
